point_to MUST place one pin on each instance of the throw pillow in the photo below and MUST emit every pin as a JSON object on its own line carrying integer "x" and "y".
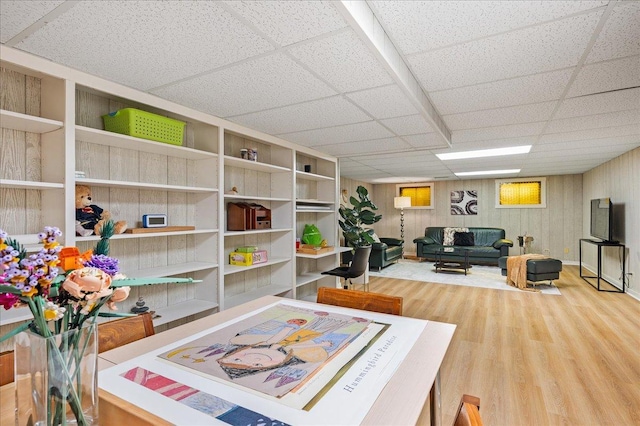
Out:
{"x": 463, "y": 239}
{"x": 447, "y": 237}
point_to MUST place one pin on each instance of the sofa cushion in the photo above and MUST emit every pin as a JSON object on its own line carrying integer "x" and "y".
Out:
{"x": 463, "y": 239}
{"x": 448, "y": 234}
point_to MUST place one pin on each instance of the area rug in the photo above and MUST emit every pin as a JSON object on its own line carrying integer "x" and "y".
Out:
{"x": 477, "y": 276}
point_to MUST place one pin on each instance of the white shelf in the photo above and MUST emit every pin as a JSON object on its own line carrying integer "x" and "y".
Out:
{"x": 234, "y": 269}
{"x": 27, "y": 123}
{"x": 170, "y": 270}
{"x": 308, "y": 277}
{"x": 15, "y": 315}
{"x": 143, "y": 185}
{"x": 28, "y": 184}
{"x": 312, "y": 176}
{"x": 150, "y": 234}
{"x": 256, "y": 198}
{"x": 270, "y": 290}
{"x": 256, "y": 231}
{"x": 101, "y": 137}
{"x": 254, "y": 165}
{"x": 314, "y": 211}
{"x": 182, "y": 310}
{"x": 304, "y": 201}
{"x": 318, "y": 256}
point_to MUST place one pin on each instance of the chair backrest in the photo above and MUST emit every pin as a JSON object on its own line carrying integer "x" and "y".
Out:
{"x": 6, "y": 368}
{"x": 374, "y": 302}
{"x": 468, "y": 412}
{"x": 119, "y": 332}
{"x": 359, "y": 262}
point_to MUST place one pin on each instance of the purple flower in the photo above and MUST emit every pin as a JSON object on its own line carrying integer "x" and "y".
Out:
{"x": 107, "y": 264}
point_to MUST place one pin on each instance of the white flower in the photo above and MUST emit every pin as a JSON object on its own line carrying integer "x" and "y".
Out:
{"x": 53, "y": 312}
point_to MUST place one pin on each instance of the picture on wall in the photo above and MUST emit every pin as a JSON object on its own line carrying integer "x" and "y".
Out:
{"x": 464, "y": 202}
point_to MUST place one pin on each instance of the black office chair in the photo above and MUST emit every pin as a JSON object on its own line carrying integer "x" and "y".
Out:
{"x": 357, "y": 267}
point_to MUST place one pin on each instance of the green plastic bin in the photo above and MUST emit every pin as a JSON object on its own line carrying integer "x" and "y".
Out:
{"x": 145, "y": 125}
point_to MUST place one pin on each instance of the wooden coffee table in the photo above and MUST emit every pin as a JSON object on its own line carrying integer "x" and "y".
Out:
{"x": 461, "y": 265}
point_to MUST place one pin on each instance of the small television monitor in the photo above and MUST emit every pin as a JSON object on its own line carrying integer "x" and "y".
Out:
{"x": 602, "y": 219}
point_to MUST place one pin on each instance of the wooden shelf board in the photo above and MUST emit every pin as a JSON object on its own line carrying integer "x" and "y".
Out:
{"x": 181, "y": 310}
{"x": 149, "y": 235}
{"x": 270, "y": 290}
{"x": 234, "y": 269}
{"x": 312, "y": 176}
{"x": 116, "y": 140}
{"x": 27, "y": 123}
{"x": 27, "y": 184}
{"x": 254, "y": 165}
{"x": 256, "y": 231}
{"x": 143, "y": 185}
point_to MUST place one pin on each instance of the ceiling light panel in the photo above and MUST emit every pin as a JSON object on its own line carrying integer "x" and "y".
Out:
{"x": 267, "y": 82}
{"x": 343, "y": 61}
{"x": 620, "y": 34}
{"x": 606, "y": 76}
{"x": 513, "y": 150}
{"x": 339, "y": 134}
{"x": 516, "y": 91}
{"x": 394, "y": 104}
{"x": 489, "y": 172}
{"x": 409, "y": 125}
{"x": 501, "y": 116}
{"x": 16, "y": 16}
{"x": 621, "y": 100}
{"x": 94, "y": 36}
{"x": 334, "y": 111}
{"x": 418, "y": 26}
{"x": 289, "y": 22}
{"x": 542, "y": 48}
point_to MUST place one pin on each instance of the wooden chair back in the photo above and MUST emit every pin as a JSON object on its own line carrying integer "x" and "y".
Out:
{"x": 468, "y": 412}
{"x": 119, "y": 332}
{"x": 367, "y": 301}
{"x": 6, "y": 368}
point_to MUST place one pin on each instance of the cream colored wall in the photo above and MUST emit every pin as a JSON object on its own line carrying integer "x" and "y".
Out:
{"x": 556, "y": 228}
{"x": 618, "y": 179}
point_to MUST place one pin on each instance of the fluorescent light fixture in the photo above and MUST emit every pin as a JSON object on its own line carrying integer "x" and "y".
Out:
{"x": 495, "y": 152}
{"x": 488, "y": 172}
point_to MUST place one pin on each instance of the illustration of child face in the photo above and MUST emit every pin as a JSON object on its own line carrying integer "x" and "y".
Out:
{"x": 252, "y": 357}
{"x": 297, "y": 321}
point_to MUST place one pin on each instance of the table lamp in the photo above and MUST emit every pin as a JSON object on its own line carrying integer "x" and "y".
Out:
{"x": 401, "y": 203}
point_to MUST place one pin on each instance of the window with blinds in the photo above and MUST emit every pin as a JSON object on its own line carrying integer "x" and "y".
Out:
{"x": 521, "y": 193}
{"x": 421, "y": 194}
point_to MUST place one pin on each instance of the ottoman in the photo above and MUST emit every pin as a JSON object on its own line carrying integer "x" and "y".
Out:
{"x": 537, "y": 269}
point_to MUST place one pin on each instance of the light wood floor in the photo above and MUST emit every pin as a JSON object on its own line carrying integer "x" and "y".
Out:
{"x": 535, "y": 359}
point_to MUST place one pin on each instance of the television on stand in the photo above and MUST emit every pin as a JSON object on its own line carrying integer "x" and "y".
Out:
{"x": 602, "y": 219}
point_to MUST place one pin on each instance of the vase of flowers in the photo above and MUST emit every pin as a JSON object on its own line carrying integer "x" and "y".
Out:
{"x": 56, "y": 351}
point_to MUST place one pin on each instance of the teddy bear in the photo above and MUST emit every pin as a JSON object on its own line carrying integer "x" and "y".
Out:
{"x": 90, "y": 217}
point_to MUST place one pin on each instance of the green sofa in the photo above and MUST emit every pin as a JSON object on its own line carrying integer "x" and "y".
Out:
{"x": 490, "y": 245}
{"x": 386, "y": 252}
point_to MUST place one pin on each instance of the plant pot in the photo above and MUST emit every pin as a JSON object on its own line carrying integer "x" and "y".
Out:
{"x": 57, "y": 378}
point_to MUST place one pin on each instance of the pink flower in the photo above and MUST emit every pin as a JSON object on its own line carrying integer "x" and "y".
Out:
{"x": 88, "y": 283}
{"x": 8, "y": 300}
{"x": 119, "y": 294}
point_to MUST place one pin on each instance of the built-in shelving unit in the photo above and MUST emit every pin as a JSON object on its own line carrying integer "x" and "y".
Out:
{"x": 55, "y": 118}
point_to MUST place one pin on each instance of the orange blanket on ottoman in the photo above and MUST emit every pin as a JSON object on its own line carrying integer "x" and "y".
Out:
{"x": 517, "y": 269}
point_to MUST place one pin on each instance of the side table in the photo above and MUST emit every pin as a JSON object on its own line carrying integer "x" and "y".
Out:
{"x": 455, "y": 265}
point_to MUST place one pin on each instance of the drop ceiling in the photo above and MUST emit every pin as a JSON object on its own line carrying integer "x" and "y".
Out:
{"x": 383, "y": 85}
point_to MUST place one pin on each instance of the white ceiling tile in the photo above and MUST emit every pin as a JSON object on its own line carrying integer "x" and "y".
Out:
{"x": 412, "y": 156}
{"x": 604, "y": 132}
{"x": 606, "y": 76}
{"x": 611, "y": 119}
{"x": 343, "y": 61}
{"x": 131, "y": 41}
{"x": 267, "y": 82}
{"x": 426, "y": 140}
{"x": 377, "y": 145}
{"x": 620, "y": 35}
{"x": 339, "y": 134}
{"x": 551, "y": 46}
{"x": 599, "y": 104}
{"x": 384, "y": 102}
{"x": 16, "y": 16}
{"x": 289, "y": 22}
{"x": 593, "y": 147}
{"x": 500, "y": 116}
{"x": 409, "y": 125}
{"x": 333, "y": 111}
{"x": 417, "y": 26}
{"x": 498, "y": 132}
{"x": 516, "y": 91}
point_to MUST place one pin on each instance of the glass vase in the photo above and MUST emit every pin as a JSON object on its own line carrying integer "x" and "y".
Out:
{"x": 57, "y": 378}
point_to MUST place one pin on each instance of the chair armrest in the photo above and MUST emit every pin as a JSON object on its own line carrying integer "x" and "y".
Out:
{"x": 501, "y": 243}
{"x": 379, "y": 246}
{"x": 392, "y": 241}
{"x": 424, "y": 240}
